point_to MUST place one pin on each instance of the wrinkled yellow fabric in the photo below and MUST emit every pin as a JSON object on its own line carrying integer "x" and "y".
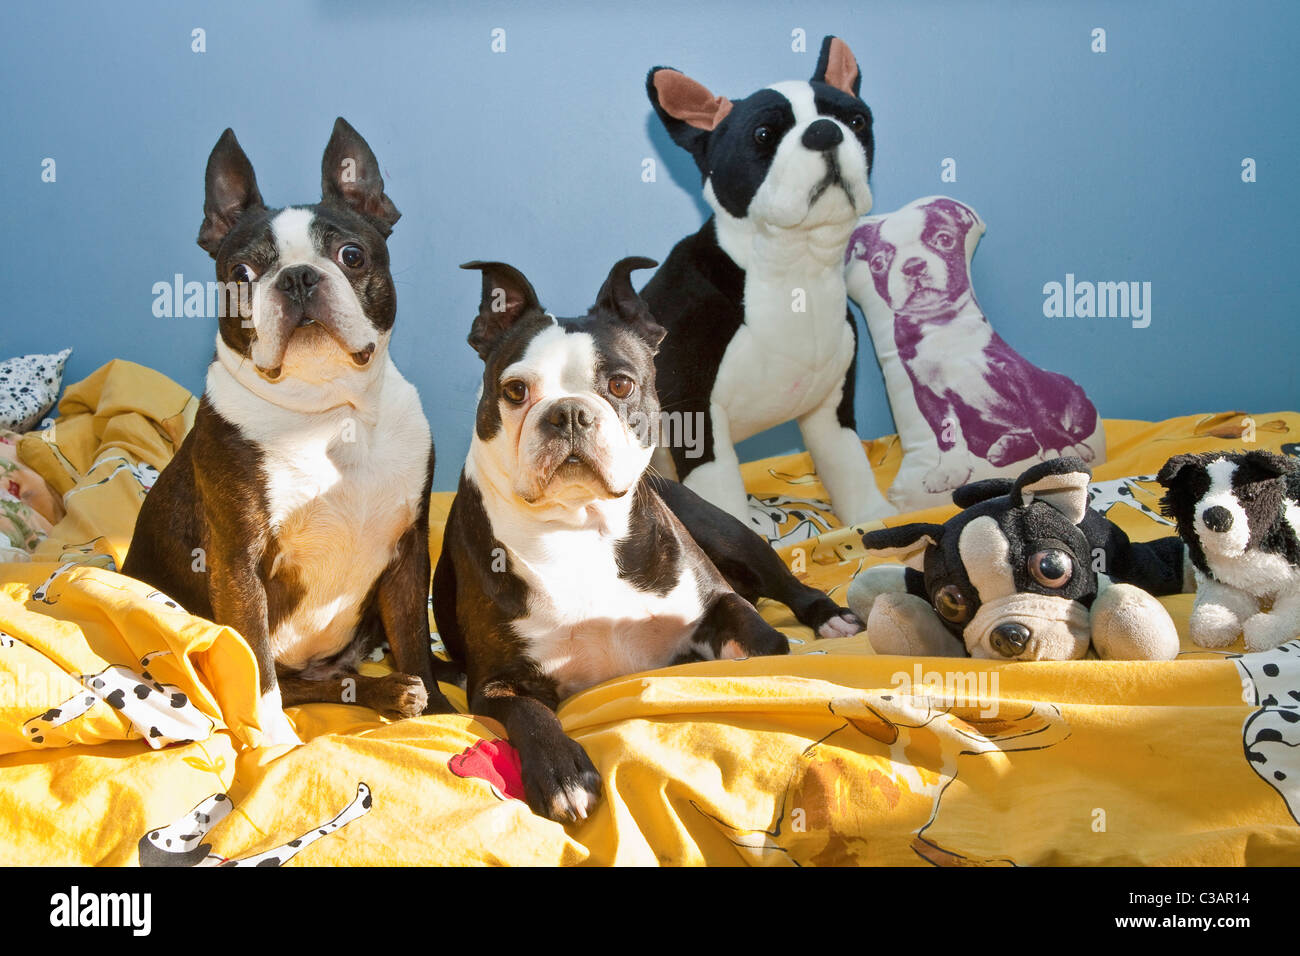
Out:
{"x": 830, "y": 756}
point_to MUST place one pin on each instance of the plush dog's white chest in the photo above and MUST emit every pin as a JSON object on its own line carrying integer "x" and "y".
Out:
{"x": 341, "y": 488}
{"x": 585, "y": 624}
{"x": 792, "y": 351}
{"x": 933, "y": 365}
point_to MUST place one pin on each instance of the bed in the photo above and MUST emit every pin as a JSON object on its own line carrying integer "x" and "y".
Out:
{"x": 833, "y": 755}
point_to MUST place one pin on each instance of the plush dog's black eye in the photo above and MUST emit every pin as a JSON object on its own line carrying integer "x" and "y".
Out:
{"x": 763, "y": 135}
{"x": 1051, "y": 569}
{"x": 352, "y": 256}
{"x": 951, "y": 604}
{"x": 242, "y": 273}
{"x": 620, "y": 386}
{"x": 858, "y": 122}
{"x": 515, "y": 392}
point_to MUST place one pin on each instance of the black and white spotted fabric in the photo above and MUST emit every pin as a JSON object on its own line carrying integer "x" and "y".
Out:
{"x": 29, "y": 386}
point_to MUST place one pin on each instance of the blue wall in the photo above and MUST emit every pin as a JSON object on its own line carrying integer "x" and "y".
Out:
{"x": 1123, "y": 165}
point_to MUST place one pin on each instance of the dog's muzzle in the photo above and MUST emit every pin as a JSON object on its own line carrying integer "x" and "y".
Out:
{"x": 1028, "y": 627}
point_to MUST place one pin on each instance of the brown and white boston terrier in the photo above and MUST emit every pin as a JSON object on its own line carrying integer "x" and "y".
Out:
{"x": 564, "y": 563}
{"x": 296, "y": 510}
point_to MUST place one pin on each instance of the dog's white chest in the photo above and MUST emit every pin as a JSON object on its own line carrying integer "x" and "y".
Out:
{"x": 933, "y": 365}
{"x": 585, "y": 624}
{"x": 341, "y": 489}
{"x": 791, "y": 353}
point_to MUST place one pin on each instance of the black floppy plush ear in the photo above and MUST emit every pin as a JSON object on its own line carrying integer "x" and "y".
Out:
{"x": 906, "y": 542}
{"x": 618, "y": 296}
{"x": 974, "y": 492}
{"x": 688, "y": 110}
{"x": 230, "y": 191}
{"x": 1260, "y": 465}
{"x": 349, "y": 173}
{"x": 1061, "y": 483}
{"x": 507, "y": 297}
{"x": 1170, "y": 470}
{"x": 837, "y": 66}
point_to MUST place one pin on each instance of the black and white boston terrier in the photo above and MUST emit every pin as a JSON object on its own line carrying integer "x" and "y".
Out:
{"x": 1239, "y": 513}
{"x": 296, "y": 509}
{"x": 564, "y": 563}
{"x": 755, "y": 302}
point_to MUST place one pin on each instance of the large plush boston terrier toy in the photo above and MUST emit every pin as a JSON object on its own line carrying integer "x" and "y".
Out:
{"x": 296, "y": 510}
{"x": 759, "y": 331}
{"x": 564, "y": 564}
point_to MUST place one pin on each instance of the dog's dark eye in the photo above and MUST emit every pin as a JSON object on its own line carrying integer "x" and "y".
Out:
{"x": 620, "y": 386}
{"x": 879, "y": 263}
{"x": 858, "y": 122}
{"x": 242, "y": 273}
{"x": 1051, "y": 569}
{"x": 763, "y": 135}
{"x": 943, "y": 241}
{"x": 515, "y": 392}
{"x": 352, "y": 256}
{"x": 951, "y": 604}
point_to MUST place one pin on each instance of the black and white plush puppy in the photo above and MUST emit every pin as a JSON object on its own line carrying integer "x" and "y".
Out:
{"x": 1027, "y": 571}
{"x": 759, "y": 331}
{"x": 296, "y": 510}
{"x": 564, "y": 564}
{"x": 1239, "y": 513}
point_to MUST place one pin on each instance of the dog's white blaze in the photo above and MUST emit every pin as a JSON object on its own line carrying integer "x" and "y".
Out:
{"x": 1231, "y": 543}
{"x": 342, "y": 486}
{"x": 1227, "y": 552}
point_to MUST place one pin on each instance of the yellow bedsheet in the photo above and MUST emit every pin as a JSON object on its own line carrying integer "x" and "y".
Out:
{"x": 832, "y": 755}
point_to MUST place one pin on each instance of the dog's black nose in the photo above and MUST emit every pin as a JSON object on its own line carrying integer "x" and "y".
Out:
{"x": 1009, "y": 639}
{"x": 298, "y": 282}
{"x": 823, "y": 135}
{"x": 569, "y": 417}
{"x": 913, "y": 267}
{"x": 1218, "y": 519}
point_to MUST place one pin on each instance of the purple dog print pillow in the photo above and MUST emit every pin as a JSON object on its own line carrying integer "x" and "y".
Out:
{"x": 966, "y": 404}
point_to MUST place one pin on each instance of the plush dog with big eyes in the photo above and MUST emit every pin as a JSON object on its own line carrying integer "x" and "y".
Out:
{"x": 1239, "y": 513}
{"x": 564, "y": 562}
{"x": 1027, "y": 571}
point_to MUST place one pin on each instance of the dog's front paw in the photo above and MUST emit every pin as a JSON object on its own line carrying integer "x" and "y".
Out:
{"x": 560, "y": 781}
{"x": 843, "y": 624}
{"x": 946, "y": 476}
{"x": 1213, "y": 625}
{"x": 396, "y": 696}
{"x": 1266, "y": 631}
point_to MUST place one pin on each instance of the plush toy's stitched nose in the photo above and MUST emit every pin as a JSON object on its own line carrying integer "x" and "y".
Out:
{"x": 1218, "y": 519}
{"x": 1009, "y": 639}
{"x": 822, "y": 135}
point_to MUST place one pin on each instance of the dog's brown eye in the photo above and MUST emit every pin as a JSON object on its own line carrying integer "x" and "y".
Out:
{"x": 242, "y": 273}
{"x": 515, "y": 392}
{"x": 620, "y": 386}
{"x": 950, "y": 604}
{"x": 857, "y": 122}
{"x": 763, "y": 135}
{"x": 1051, "y": 569}
{"x": 352, "y": 256}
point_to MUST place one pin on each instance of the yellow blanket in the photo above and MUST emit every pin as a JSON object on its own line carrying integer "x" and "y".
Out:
{"x": 832, "y": 755}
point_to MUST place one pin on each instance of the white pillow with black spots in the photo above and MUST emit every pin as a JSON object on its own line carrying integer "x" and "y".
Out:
{"x": 29, "y": 387}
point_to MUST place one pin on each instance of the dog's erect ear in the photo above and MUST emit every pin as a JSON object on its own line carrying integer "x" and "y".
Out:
{"x": 974, "y": 492}
{"x": 1061, "y": 483}
{"x": 838, "y": 67}
{"x": 507, "y": 297}
{"x": 907, "y": 542}
{"x": 231, "y": 190}
{"x": 618, "y": 296}
{"x": 688, "y": 110}
{"x": 349, "y": 173}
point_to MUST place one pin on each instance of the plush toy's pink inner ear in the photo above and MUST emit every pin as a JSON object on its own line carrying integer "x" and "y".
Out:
{"x": 841, "y": 67}
{"x": 691, "y": 102}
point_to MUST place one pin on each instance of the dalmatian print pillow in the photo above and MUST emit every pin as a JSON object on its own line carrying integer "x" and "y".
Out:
{"x": 29, "y": 386}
